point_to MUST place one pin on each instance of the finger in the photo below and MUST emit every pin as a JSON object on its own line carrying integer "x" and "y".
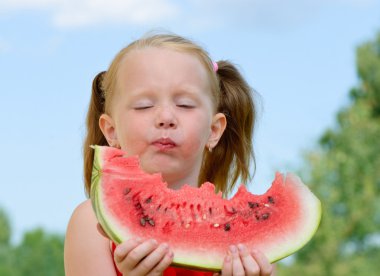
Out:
{"x": 138, "y": 253}
{"x": 250, "y": 265}
{"x": 164, "y": 263}
{"x": 266, "y": 268}
{"x": 227, "y": 265}
{"x": 237, "y": 266}
{"x": 152, "y": 260}
{"x": 123, "y": 249}
{"x": 101, "y": 231}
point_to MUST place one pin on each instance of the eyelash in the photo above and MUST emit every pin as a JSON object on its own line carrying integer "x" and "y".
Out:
{"x": 142, "y": 107}
{"x": 185, "y": 106}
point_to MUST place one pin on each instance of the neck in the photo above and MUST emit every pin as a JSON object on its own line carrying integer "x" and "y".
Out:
{"x": 176, "y": 184}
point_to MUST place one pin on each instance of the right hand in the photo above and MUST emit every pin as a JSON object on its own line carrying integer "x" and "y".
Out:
{"x": 139, "y": 257}
{"x": 142, "y": 257}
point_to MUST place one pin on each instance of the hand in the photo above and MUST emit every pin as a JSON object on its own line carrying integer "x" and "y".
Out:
{"x": 240, "y": 261}
{"x": 138, "y": 257}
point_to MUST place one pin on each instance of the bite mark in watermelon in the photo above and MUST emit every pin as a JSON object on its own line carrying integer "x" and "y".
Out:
{"x": 198, "y": 224}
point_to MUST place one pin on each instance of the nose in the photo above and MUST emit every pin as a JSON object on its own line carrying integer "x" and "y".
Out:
{"x": 165, "y": 118}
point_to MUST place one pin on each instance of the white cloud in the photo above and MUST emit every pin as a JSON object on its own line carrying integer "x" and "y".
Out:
{"x": 191, "y": 13}
{"x": 93, "y": 12}
{"x": 73, "y": 13}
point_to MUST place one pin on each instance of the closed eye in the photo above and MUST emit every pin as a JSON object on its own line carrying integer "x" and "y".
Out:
{"x": 185, "y": 106}
{"x": 142, "y": 107}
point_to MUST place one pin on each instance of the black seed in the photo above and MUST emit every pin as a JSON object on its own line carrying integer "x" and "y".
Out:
{"x": 270, "y": 199}
{"x": 265, "y": 216}
{"x": 138, "y": 205}
{"x": 257, "y": 217}
{"x": 158, "y": 208}
{"x": 252, "y": 204}
{"x": 148, "y": 200}
{"x": 151, "y": 222}
{"x": 227, "y": 227}
{"x": 142, "y": 221}
{"x": 126, "y": 191}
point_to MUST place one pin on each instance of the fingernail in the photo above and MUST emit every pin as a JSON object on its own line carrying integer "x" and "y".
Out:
{"x": 233, "y": 249}
{"x": 241, "y": 247}
{"x": 138, "y": 240}
{"x": 227, "y": 259}
{"x": 165, "y": 246}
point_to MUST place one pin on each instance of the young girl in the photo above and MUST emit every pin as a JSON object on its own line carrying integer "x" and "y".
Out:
{"x": 186, "y": 117}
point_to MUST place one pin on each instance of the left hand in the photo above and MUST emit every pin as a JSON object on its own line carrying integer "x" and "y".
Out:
{"x": 241, "y": 261}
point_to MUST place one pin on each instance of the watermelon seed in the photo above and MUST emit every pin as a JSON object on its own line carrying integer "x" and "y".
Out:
{"x": 127, "y": 190}
{"x": 265, "y": 216}
{"x": 227, "y": 227}
{"x": 204, "y": 216}
{"x": 266, "y": 205}
{"x": 252, "y": 204}
{"x": 210, "y": 210}
{"x": 138, "y": 205}
{"x": 198, "y": 207}
{"x": 187, "y": 225}
{"x": 151, "y": 222}
{"x": 142, "y": 221}
{"x": 148, "y": 200}
{"x": 216, "y": 225}
{"x": 270, "y": 199}
{"x": 158, "y": 208}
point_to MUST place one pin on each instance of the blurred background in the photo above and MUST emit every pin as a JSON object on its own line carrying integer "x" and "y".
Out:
{"x": 315, "y": 64}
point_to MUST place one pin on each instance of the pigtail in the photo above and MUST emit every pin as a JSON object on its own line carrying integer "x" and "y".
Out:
{"x": 231, "y": 158}
{"x": 94, "y": 134}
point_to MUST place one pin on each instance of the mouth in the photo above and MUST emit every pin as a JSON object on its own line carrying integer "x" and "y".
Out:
{"x": 164, "y": 144}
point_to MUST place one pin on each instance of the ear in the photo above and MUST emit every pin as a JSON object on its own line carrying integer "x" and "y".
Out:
{"x": 107, "y": 126}
{"x": 219, "y": 123}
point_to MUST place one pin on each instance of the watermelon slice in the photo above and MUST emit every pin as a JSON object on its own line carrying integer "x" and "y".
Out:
{"x": 198, "y": 224}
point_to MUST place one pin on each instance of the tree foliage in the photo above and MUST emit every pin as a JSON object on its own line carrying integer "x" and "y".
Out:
{"x": 344, "y": 172}
{"x": 38, "y": 253}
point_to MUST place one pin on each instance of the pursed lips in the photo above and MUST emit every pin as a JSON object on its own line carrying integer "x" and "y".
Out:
{"x": 164, "y": 143}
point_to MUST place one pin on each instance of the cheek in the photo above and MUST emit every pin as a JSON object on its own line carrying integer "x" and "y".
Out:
{"x": 197, "y": 135}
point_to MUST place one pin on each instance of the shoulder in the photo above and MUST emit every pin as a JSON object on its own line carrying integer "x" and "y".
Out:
{"x": 87, "y": 252}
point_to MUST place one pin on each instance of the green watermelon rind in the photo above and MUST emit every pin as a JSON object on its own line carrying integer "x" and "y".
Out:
{"x": 315, "y": 211}
{"x": 96, "y": 197}
{"x": 110, "y": 227}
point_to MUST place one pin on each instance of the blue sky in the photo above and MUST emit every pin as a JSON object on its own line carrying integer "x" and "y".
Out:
{"x": 298, "y": 55}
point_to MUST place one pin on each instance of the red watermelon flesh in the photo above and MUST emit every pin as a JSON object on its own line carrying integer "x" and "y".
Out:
{"x": 198, "y": 224}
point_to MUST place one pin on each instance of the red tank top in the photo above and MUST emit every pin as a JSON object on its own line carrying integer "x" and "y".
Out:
{"x": 171, "y": 271}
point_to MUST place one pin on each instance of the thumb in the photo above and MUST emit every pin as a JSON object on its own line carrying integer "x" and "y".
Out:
{"x": 101, "y": 231}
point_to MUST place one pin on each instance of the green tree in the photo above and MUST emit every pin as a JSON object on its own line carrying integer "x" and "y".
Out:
{"x": 344, "y": 172}
{"x": 5, "y": 249}
{"x": 39, "y": 253}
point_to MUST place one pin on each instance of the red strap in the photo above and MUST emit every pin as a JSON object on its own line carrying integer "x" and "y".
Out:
{"x": 170, "y": 271}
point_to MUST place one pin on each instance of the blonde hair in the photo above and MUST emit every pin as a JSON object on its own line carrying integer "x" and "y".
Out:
{"x": 230, "y": 159}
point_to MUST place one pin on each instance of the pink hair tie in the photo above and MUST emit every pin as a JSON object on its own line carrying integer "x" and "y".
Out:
{"x": 215, "y": 66}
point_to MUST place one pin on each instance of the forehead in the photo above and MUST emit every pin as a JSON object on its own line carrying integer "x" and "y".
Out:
{"x": 169, "y": 66}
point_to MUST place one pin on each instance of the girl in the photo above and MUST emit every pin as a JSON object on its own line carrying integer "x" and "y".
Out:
{"x": 186, "y": 117}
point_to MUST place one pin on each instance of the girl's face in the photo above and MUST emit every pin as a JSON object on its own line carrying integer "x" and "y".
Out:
{"x": 163, "y": 112}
